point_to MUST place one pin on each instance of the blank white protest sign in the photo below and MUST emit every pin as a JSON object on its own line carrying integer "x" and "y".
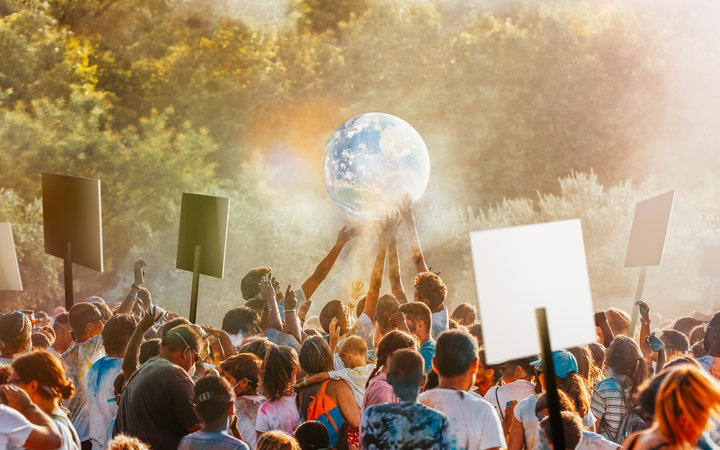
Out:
{"x": 649, "y": 230}
{"x": 522, "y": 268}
{"x": 9, "y": 270}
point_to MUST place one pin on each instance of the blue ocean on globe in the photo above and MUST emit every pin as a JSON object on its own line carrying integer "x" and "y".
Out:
{"x": 373, "y": 160}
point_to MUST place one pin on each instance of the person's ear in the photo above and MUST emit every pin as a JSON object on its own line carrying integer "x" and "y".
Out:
{"x": 423, "y": 380}
{"x": 434, "y": 367}
{"x": 32, "y": 387}
{"x": 474, "y": 367}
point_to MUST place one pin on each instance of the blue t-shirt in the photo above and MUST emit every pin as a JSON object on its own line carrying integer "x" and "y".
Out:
{"x": 427, "y": 350}
{"x": 403, "y": 425}
{"x": 202, "y": 440}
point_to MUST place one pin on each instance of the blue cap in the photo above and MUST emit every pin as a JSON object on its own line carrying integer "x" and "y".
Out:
{"x": 564, "y": 363}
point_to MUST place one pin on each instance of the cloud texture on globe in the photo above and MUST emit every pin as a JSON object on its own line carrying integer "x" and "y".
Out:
{"x": 371, "y": 161}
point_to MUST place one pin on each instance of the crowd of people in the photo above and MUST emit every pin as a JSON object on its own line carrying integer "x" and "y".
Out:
{"x": 380, "y": 371}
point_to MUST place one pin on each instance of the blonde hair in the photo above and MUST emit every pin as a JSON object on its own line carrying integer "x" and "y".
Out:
{"x": 125, "y": 442}
{"x": 277, "y": 440}
{"x": 690, "y": 393}
{"x": 354, "y": 345}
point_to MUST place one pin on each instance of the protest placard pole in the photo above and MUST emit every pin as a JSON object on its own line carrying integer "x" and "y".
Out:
{"x": 68, "y": 276}
{"x": 195, "y": 284}
{"x": 553, "y": 398}
{"x": 638, "y": 296}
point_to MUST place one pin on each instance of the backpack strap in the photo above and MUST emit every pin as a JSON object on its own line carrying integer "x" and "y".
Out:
{"x": 322, "y": 388}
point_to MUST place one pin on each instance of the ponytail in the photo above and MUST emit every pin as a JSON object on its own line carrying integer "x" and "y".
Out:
{"x": 576, "y": 388}
{"x": 394, "y": 340}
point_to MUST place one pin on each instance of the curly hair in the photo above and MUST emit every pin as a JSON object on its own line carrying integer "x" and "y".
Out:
{"x": 430, "y": 289}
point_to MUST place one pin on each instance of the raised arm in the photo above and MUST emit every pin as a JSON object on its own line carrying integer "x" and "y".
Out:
{"x": 644, "y": 328}
{"x": 132, "y": 350}
{"x": 377, "y": 273}
{"x": 292, "y": 323}
{"x": 406, "y": 209}
{"x": 267, "y": 292}
{"x": 223, "y": 339}
{"x": 128, "y": 302}
{"x": 396, "y": 285}
{"x": 323, "y": 269}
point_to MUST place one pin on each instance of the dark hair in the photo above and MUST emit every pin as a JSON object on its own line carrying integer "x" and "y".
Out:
{"x": 256, "y": 304}
{"x": 430, "y": 289}
{"x": 15, "y": 331}
{"x": 697, "y": 334}
{"x": 243, "y": 365}
{"x": 40, "y": 340}
{"x": 240, "y": 318}
{"x": 117, "y": 332}
{"x": 104, "y": 310}
{"x": 62, "y": 319}
{"x": 316, "y": 356}
{"x": 213, "y": 397}
{"x": 277, "y": 371}
{"x": 461, "y": 311}
{"x": 310, "y": 331}
{"x": 572, "y": 428}
{"x": 675, "y": 341}
{"x": 586, "y": 365}
{"x": 455, "y": 353}
{"x": 624, "y": 358}
{"x": 257, "y": 345}
{"x": 416, "y": 312}
{"x": 47, "y": 370}
{"x": 405, "y": 373}
{"x": 597, "y": 350}
{"x": 387, "y": 305}
{"x": 394, "y": 340}
{"x": 334, "y": 309}
{"x": 249, "y": 285}
{"x": 172, "y": 324}
{"x": 312, "y": 435}
{"x": 523, "y": 363}
{"x": 476, "y": 331}
{"x": 119, "y": 384}
{"x": 149, "y": 349}
{"x": 685, "y": 325}
{"x": 178, "y": 338}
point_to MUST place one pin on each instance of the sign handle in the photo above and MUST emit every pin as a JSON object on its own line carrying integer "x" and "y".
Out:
{"x": 638, "y": 296}
{"x": 553, "y": 398}
{"x": 68, "y": 277}
{"x": 195, "y": 284}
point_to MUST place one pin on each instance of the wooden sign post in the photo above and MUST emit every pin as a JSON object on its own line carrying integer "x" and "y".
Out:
{"x": 202, "y": 240}
{"x": 647, "y": 242}
{"x": 72, "y": 224}
{"x": 10, "y": 279}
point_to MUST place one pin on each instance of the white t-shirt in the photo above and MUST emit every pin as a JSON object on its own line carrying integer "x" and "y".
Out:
{"x": 246, "y": 408}
{"x": 499, "y": 396}
{"x": 474, "y": 425}
{"x": 356, "y": 378}
{"x": 525, "y": 413}
{"x": 365, "y": 328}
{"x": 440, "y": 322}
{"x": 100, "y": 394}
{"x": 14, "y": 428}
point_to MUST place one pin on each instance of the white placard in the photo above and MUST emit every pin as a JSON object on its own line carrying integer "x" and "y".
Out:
{"x": 9, "y": 269}
{"x": 520, "y": 269}
{"x": 649, "y": 230}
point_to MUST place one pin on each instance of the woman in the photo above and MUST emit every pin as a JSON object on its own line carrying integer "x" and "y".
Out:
{"x": 586, "y": 365}
{"x": 279, "y": 371}
{"x": 688, "y": 398}
{"x": 42, "y": 376}
{"x": 378, "y": 389}
{"x": 316, "y": 357}
{"x": 613, "y": 398}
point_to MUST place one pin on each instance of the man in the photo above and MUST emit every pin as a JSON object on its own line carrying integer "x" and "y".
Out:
{"x": 63, "y": 335}
{"x": 15, "y": 335}
{"x": 102, "y": 407}
{"x": 473, "y": 421}
{"x": 711, "y": 344}
{"x": 676, "y": 344}
{"x": 516, "y": 375}
{"x": 157, "y": 403}
{"x": 241, "y": 322}
{"x": 407, "y": 424}
{"x": 419, "y": 322}
{"x": 86, "y": 323}
{"x": 431, "y": 290}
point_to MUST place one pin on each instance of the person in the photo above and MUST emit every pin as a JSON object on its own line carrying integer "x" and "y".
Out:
{"x": 240, "y": 323}
{"x": 676, "y": 344}
{"x": 473, "y": 421}
{"x": 572, "y": 428}
{"x": 486, "y": 376}
{"x": 613, "y": 397}
{"x": 517, "y": 375}
{"x": 125, "y": 442}
{"x": 156, "y": 405}
{"x": 407, "y": 424}
{"x": 23, "y": 424}
{"x": 431, "y": 290}
{"x": 15, "y": 335}
{"x": 312, "y": 435}
{"x": 277, "y": 440}
{"x": 42, "y": 376}
{"x": 418, "y": 318}
{"x": 464, "y": 314}
{"x": 711, "y": 344}
{"x": 686, "y": 402}
{"x": 315, "y": 358}
{"x": 618, "y": 320}
{"x": 100, "y": 399}
{"x": 214, "y": 405}
{"x": 279, "y": 412}
{"x": 335, "y": 309}
{"x": 257, "y": 345}
{"x": 40, "y": 340}
{"x": 242, "y": 371}
{"x": 86, "y": 322}
{"x": 63, "y": 334}
{"x": 378, "y": 391}
{"x": 587, "y": 368}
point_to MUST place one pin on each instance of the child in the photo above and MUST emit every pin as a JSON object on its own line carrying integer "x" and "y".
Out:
{"x": 278, "y": 376}
{"x": 243, "y": 373}
{"x": 214, "y": 405}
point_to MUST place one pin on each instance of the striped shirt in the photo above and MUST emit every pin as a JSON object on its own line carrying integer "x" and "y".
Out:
{"x": 609, "y": 406}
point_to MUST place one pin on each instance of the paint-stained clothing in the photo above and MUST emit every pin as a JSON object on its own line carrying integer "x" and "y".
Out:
{"x": 404, "y": 425}
{"x": 157, "y": 405}
{"x": 101, "y": 404}
{"x": 246, "y": 409}
{"x": 78, "y": 360}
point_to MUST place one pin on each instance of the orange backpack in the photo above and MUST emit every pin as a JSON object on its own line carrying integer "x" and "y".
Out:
{"x": 324, "y": 409}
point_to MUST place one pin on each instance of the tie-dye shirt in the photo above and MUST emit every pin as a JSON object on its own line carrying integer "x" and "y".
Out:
{"x": 711, "y": 364}
{"x": 403, "y": 425}
{"x": 281, "y": 414}
{"x": 101, "y": 404}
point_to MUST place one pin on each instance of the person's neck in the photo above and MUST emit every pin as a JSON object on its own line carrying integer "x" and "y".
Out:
{"x": 84, "y": 338}
{"x": 458, "y": 383}
{"x": 60, "y": 348}
{"x": 439, "y": 308}
{"x": 218, "y": 426}
{"x": 48, "y": 406}
{"x": 408, "y": 398}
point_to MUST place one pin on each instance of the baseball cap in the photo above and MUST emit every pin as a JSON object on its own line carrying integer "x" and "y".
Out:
{"x": 564, "y": 363}
{"x": 83, "y": 313}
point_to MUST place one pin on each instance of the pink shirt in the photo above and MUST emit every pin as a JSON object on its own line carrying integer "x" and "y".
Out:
{"x": 378, "y": 392}
{"x": 281, "y": 414}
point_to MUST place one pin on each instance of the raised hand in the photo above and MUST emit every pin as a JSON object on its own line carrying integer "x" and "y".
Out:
{"x": 267, "y": 291}
{"x": 346, "y": 234}
{"x": 149, "y": 318}
{"x": 16, "y": 397}
{"x": 290, "y": 299}
{"x": 358, "y": 288}
{"x": 389, "y": 227}
{"x": 334, "y": 333}
{"x": 406, "y": 208}
{"x": 138, "y": 272}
